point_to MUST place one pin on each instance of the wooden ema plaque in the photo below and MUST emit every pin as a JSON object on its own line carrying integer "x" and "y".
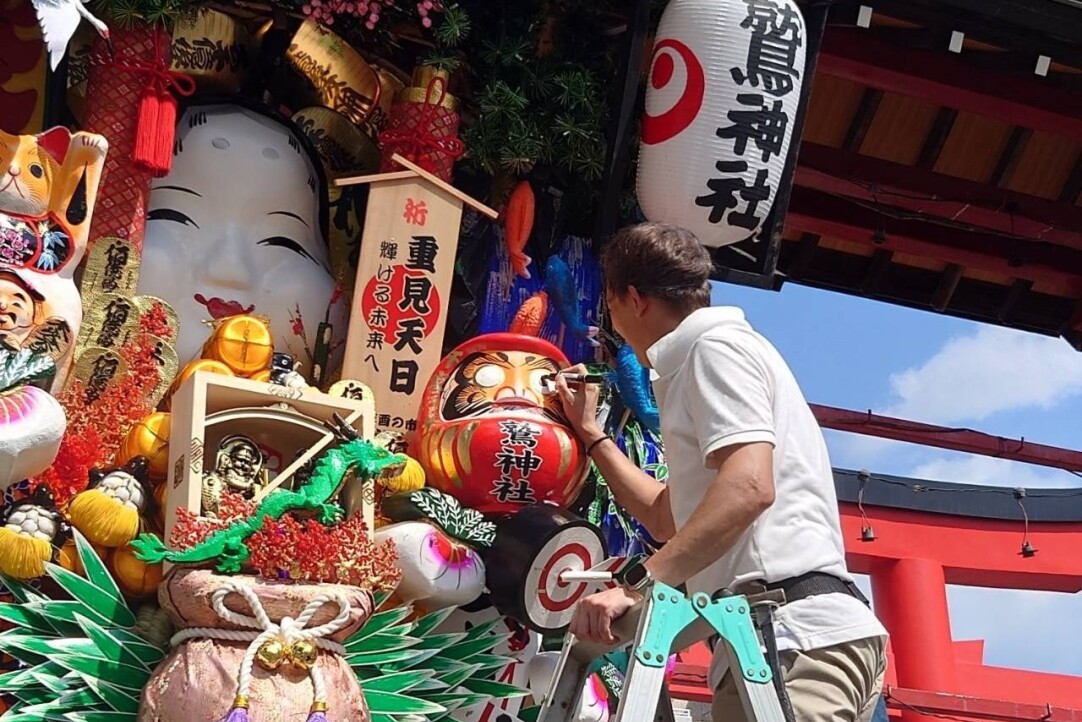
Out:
{"x": 284, "y": 422}
{"x": 403, "y": 288}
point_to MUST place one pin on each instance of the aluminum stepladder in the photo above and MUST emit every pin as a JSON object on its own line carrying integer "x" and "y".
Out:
{"x": 665, "y": 622}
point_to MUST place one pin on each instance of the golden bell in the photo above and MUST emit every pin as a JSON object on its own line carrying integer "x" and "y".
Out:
{"x": 304, "y": 654}
{"x": 271, "y": 654}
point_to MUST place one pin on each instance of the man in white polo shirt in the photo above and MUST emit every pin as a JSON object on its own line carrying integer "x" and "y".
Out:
{"x": 750, "y": 501}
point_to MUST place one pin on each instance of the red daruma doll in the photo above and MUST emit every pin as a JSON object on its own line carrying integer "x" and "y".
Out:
{"x": 489, "y": 434}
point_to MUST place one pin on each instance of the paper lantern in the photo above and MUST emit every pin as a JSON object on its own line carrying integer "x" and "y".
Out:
{"x": 721, "y": 102}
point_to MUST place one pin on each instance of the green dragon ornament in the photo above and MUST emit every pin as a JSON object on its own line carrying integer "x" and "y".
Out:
{"x": 228, "y": 546}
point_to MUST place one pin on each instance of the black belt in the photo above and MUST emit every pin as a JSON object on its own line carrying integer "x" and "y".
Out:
{"x": 813, "y": 583}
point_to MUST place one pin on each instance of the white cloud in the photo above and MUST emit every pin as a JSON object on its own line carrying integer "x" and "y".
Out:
{"x": 1042, "y": 633}
{"x": 991, "y": 370}
{"x": 993, "y": 472}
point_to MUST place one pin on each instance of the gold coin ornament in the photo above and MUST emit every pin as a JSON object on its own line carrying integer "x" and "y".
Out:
{"x": 150, "y": 438}
{"x": 263, "y": 376}
{"x": 203, "y": 364}
{"x": 243, "y": 343}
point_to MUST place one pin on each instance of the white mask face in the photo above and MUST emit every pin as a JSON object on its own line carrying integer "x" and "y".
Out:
{"x": 234, "y": 228}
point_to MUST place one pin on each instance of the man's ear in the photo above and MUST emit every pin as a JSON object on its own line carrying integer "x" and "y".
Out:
{"x": 638, "y": 301}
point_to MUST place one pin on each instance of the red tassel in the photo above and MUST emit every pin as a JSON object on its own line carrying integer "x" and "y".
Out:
{"x": 146, "y": 128}
{"x": 166, "y": 133}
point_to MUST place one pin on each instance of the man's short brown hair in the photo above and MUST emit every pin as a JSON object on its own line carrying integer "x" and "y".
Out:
{"x": 662, "y": 261}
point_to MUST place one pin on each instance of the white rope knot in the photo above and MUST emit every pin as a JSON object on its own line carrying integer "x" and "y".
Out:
{"x": 290, "y": 641}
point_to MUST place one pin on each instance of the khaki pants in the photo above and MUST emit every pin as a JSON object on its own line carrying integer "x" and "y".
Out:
{"x": 840, "y": 683}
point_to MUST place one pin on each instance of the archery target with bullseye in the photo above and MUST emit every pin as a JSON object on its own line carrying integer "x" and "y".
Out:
{"x": 575, "y": 549}
{"x": 532, "y": 549}
{"x": 722, "y": 95}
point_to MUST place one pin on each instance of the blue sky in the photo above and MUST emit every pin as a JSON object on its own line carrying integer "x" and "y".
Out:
{"x": 860, "y": 354}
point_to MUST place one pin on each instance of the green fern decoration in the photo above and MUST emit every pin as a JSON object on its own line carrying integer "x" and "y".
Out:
{"x": 85, "y": 662}
{"x": 443, "y": 510}
{"x": 407, "y": 670}
{"x": 23, "y": 366}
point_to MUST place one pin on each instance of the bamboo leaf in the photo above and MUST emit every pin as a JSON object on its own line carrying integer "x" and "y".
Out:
{"x": 32, "y": 620}
{"x": 420, "y": 656}
{"x": 96, "y": 571}
{"x": 17, "y": 589}
{"x": 147, "y": 653}
{"x": 381, "y": 622}
{"x": 455, "y": 677}
{"x": 381, "y": 642}
{"x": 113, "y": 672}
{"x": 109, "y": 646}
{"x": 398, "y": 704}
{"x": 495, "y": 690}
{"x": 458, "y": 699}
{"x": 379, "y": 659}
{"x": 100, "y": 716}
{"x": 49, "y": 647}
{"x": 118, "y": 700}
{"x": 101, "y": 605}
{"x": 399, "y": 681}
{"x": 464, "y": 650}
{"x": 430, "y": 621}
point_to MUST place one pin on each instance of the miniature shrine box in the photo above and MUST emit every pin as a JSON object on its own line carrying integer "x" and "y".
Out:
{"x": 403, "y": 288}
{"x": 287, "y": 424}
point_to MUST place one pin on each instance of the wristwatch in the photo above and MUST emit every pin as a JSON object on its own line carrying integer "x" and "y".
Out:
{"x": 634, "y": 575}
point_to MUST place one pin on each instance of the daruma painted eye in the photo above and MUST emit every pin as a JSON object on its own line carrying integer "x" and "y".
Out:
{"x": 489, "y": 376}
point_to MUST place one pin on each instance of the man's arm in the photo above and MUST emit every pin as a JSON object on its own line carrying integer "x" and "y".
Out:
{"x": 643, "y": 497}
{"x": 742, "y": 490}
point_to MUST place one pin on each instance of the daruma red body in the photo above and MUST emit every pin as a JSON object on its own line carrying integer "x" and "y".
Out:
{"x": 489, "y": 437}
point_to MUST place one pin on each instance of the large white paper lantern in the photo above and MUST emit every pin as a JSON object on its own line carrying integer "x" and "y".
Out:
{"x": 721, "y": 102}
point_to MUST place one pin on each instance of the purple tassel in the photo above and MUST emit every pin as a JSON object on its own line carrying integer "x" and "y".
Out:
{"x": 317, "y": 717}
{"x": 237, "y": 714}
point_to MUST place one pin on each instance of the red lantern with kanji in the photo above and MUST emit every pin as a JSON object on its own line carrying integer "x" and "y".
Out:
{"x": 489, "y": 435}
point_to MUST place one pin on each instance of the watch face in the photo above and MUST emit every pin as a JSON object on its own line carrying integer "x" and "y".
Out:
{"x": 635, "y": 575}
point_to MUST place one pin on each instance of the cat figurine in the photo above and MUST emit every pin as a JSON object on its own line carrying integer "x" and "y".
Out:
{"x": 48, "y": 186}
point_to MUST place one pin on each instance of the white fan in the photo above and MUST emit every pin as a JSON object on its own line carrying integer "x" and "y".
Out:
{"x": 59, "y": 19}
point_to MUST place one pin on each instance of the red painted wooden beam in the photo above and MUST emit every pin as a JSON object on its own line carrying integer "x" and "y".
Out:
{"x": 977, "y": 708}
{"x": 973, "y": 552}
{"x": 835, "y": 217}
{"x": 841, "y": 172}
{"x": 939, "y": 78}
{"x": 966, "y": 440}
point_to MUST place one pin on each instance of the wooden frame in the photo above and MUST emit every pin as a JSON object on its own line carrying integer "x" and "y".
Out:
{"x": 207, "y": 401}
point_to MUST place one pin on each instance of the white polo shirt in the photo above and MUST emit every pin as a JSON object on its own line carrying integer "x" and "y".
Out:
{"x": 719, "y": 383}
